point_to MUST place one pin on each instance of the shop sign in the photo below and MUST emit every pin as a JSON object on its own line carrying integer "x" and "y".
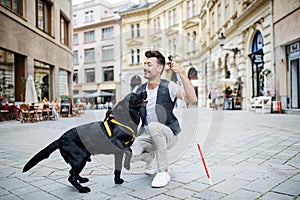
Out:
{"x": 257, "y": 57}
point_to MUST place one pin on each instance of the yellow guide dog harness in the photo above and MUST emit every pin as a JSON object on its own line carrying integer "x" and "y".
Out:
{"x": 118, "y": 123}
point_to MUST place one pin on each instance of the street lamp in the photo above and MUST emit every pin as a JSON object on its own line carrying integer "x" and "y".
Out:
{"x": 222, "y": 39}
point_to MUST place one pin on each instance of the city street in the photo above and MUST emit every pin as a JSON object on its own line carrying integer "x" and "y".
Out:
{"x": 249, "y": 156}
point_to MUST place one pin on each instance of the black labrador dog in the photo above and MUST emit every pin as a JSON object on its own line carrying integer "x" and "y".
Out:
{"x": 114, "y": 135}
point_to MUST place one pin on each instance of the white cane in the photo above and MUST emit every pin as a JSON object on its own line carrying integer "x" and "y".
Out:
{"x": 170, "y": 57}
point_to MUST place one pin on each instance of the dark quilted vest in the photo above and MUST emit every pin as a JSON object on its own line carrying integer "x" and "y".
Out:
{"x": 164, "y": 106}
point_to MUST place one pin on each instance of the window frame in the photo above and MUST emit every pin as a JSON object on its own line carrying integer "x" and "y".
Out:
{"x": 47, "y": 11}
{"x": 87, "y": 76}
{"x": 92, "y": 49}
{"x": 108, "y": 71}
{"x": 89, "y": 36}
{"x": 12, "y": 7}
{"x": 64, "y": 30}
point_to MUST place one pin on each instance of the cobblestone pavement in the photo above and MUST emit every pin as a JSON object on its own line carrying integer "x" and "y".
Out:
{"x": 249, "y": 156}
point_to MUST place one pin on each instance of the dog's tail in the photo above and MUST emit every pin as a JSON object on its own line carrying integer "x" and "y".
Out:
{"x": 43, "y": 154}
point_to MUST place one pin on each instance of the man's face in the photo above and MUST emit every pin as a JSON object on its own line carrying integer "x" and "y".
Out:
{"x": 151, "y": 68}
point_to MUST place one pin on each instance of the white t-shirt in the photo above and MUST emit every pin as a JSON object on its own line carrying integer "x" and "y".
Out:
{"x": 151, "y": 98}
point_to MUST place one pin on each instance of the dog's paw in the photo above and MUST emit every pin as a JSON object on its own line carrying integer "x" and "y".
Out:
{"x": 119, "y": 181}
{"x": 84, "y": 190}
{"x": 83, "y": 180}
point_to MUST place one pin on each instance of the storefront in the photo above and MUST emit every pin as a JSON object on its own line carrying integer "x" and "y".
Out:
{"x": 294, "y": 74}
{"x": 12, "y": 79}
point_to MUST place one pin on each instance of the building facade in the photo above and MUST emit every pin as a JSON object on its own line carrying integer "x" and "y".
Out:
{"x": 97, "y": 49}
{"x": 287, "y": 53}
{"x": 35, "y": 39}
{"x": 191, "y": 30}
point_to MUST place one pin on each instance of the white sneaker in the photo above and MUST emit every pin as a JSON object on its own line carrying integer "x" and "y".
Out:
{"x": 161, "y": 180}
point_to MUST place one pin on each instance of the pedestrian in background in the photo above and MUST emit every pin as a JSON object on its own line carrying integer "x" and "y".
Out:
{"x": 214, "y": 97}
{"x": 11, "y": 108}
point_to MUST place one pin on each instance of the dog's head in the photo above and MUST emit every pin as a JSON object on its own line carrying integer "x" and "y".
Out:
{"x": 137, "y": 100}
{"x": 130, "y": 107}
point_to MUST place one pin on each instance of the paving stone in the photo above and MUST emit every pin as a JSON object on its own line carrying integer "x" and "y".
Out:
{"x": 289, "y": 187}
{"x": 242, "y": 194}
{"x": 210, "y": 195}
{"x": 230, "y": 185}
{"x": 180, "y": 193}
{"x": 9, "y": 197}
{"x": 12, "y": 183}
{"x": 38, "y": 195}
{"x": 276, "y": 196}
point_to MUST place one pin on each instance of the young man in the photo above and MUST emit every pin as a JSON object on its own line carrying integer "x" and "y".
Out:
{"x": 160, "y": 129}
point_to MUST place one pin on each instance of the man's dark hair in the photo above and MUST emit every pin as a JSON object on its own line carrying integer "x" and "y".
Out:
{"x": 160, "y": 58}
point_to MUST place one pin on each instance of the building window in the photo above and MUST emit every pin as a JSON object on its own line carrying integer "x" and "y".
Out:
{"x": 108, "y": 73}
{"x": 74, "y": 20}
{"x": 158, "y": 24}
{"x": 174, "y": 17}
{"x": 138, "y": 56}
{"x": 44, "y": 15}
{"x": 108, "y": 52}
{"x": 7, "y": 75}
{"x": 174, "y": 46}
{"x": 195, "y": 46}
{"x": 64, "y": 30}
{"x": 42, "y": 78}
{"x": 75, "y": 38}
{"x": 213, "y": 22}
{"x": 236, "y": 5}
{"x": 89, "y": 36}
{"x": 226, "y": 10}
{"x": 195, "y": 7}
{"x": 138, "y": 30}
{"x": 107, "y": 33}
{"x": 189, "y": 9}
{"x": 132, "y": 56}
{"x": 170, "y": 18}
{"x": 89, "y": 75}
{"x": 15, "y": 6}
{"x": 89, "y": 16}
{"x": 75, "y": 76}
{"x": 219, "y": 15}
{"x": 89, "y": 55}
{"x": 189, "y": 43}
{"x": 63, "y": 86}
{"x": 132, "y": 31}
{"x": 75, "y": 58}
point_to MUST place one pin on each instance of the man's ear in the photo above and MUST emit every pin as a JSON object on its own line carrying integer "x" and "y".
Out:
{"x": 160, "y": 68}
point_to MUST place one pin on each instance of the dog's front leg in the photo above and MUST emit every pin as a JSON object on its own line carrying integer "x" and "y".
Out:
{"x": 125, "y": 149}
{"x": 118, "y": 168}
{"x": 128, "y": 155}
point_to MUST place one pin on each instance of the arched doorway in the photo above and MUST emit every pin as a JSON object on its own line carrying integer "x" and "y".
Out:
{"x": 257, "y": 65}
{"x": 135, "y": 81}
{"x": 193, "y": 76}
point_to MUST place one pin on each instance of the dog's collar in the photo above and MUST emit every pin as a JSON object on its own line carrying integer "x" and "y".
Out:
{"x": 120, "y": 124}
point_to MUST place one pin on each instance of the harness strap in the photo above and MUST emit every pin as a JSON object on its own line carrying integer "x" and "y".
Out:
{"x": 118, "y": 123}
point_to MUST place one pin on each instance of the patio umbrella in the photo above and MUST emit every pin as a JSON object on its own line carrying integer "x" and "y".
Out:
{"x": 30, "y": 91}
{"x": 100, "y": 94}
{"x": 82, "y": 95}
